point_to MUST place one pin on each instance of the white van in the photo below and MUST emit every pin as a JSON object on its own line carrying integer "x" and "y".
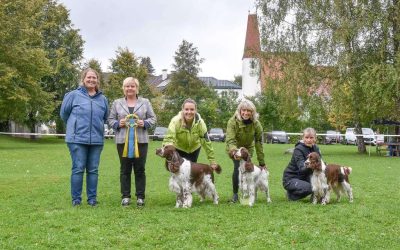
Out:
{"x": 368, "y": 135}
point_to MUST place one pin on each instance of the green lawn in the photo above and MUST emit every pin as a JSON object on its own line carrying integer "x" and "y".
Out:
{"x": 36, "y": 211}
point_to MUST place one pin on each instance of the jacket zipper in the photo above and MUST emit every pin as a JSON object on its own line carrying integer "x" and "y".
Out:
{"x": 91, "y": 117}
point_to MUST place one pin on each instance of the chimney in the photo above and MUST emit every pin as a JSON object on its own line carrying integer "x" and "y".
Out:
{"x": 164, "y": 74}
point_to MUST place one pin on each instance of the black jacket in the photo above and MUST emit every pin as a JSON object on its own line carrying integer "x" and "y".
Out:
{"x": 296, "y": 168}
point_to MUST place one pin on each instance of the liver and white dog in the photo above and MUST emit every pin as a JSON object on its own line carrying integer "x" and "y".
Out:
{"x": 187, "y": 177}
{"x": 326, "y": 178}
{"x": 251, "y": 177}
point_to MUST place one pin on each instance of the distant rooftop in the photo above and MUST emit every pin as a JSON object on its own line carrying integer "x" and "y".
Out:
{"x": 160, "y": 83}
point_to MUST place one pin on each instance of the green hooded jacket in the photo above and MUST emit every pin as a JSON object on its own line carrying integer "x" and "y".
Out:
{"x": 249, "y": 136}
{"x": 189, "y": 139}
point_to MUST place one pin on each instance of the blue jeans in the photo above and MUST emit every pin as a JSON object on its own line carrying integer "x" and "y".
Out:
{"x": 84, "y": 157}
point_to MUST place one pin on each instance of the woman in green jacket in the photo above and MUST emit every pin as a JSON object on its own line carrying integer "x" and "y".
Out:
{"x": 187, "y": 132}
{"x": 244, "y": 130}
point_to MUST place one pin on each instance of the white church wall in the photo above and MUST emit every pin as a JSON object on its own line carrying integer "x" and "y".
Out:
{"x": 251, "y": 84}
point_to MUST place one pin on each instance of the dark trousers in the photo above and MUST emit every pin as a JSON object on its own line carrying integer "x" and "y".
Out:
{"x": 138, "y": 166}
{"x": 235, "y": 176}
{"x": 297, "y": 189}
{"x": 190, "y": 156}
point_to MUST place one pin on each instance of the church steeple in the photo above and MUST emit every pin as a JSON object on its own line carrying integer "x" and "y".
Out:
{"x": 251, "y": 61}
{"x": 252, "y": 43}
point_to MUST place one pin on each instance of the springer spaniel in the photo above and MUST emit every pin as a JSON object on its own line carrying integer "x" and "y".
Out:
{"x": 187, "y": 177}
{"x": 326, "y": 178}
{"x": 251, "y": 177}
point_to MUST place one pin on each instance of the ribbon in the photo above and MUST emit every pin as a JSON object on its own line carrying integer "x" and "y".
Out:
{"x": 131, "y": 149}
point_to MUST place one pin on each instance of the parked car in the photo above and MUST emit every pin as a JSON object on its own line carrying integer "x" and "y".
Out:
{"x": 108, "y": 131}
{"x": 368, "y": 136}
{"x": 277, "y": 137}
{"x": 159, "y": 133}
{"x": 216, "y": 134}
{"x": 331, "y": 137}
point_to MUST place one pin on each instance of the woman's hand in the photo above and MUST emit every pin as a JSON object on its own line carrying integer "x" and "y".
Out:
{"x": 122, "y": 123}
{"x": 140, "y": 123}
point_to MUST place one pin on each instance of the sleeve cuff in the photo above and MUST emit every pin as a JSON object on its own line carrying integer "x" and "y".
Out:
{"x": 146, "y": 125}
{"x": 115, "y": 126}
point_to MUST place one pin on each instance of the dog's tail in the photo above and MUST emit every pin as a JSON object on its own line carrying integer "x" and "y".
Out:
{"x": 218, "y": 169}
{"x": 346, "y": 170}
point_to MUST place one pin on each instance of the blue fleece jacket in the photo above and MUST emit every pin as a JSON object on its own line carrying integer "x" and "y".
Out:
{"x": 85, "y": 116}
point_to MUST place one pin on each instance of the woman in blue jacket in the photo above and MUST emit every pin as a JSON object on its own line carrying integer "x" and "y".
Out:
{"x": 85, "y": 110}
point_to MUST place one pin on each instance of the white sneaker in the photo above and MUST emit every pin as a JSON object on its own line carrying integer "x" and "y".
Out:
{"x": 140, "y": 202}
{"x": 126, "y": 201}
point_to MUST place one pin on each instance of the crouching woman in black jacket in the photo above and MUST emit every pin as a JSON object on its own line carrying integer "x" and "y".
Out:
{"x": 296, "y": 177}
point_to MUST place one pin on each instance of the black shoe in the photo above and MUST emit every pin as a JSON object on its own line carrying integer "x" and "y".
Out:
{"x": 234, "y": 199}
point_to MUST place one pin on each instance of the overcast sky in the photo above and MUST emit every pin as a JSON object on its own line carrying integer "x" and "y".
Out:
{"x": 156, "y": 28}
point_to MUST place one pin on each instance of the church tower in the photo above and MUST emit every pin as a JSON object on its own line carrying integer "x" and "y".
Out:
{"x": 251, "y": 64}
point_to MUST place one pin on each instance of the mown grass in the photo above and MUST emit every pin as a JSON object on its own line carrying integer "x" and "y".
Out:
{"x": 36, "y": 211}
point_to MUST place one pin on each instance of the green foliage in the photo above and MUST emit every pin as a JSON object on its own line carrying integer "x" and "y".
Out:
{"x": 124, "y": 65}
{"x": 238, "y": 80}
{"x": 64, "y": 48}
{"x": 36, "y": 210}
{"x": 185, "y": 84}
{"x": 227, "y": 105}
{"x": 352, "y": 36}
{"x": 23, "y": 63}
{"x": 146, "y": 62}
{"x": 381, "y": 85}
{"x": 39, "y": 52}
{"x": 187, "y": 59}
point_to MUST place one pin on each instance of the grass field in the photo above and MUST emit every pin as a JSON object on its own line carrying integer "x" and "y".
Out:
{"x": 36, "y": 211}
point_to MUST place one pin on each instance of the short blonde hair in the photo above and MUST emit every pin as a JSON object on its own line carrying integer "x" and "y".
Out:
{"x": 309, "y": 131}
{"x": 85, "y": 72}
{"x": 246, "y": 104}
{"x": 129, "y": 80}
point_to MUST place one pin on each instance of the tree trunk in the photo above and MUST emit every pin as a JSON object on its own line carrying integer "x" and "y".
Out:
{"x": 31, "y": 123}
{"x": 360, "y": 140}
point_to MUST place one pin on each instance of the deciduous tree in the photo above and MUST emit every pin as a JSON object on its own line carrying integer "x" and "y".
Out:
{"x": 352, "y": 36}
{"x": 124, "y": 65}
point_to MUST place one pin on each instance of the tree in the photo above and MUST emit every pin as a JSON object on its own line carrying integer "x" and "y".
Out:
{"x": 238, "y": 80}
{"x": 126, "y": 65}
{"x": 352, "y": 36}
{"x": 96, "y": 65}
{"x": 185, "y": 84}
{"x": 23, "y": 63}
{"x": 187, "y": 59}
{"x": 64, "y": 47}
{"x": 227, "y": 104}
{"x": 146, "y": 62}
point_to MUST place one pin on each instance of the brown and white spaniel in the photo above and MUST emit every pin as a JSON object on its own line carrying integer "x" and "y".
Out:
{"x": 326, "y": 178}
{"x": 251, "y": 177}
{"x": 187, "y": 177}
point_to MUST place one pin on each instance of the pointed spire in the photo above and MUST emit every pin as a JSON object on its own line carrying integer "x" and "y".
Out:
{"x": 252, "y": 43}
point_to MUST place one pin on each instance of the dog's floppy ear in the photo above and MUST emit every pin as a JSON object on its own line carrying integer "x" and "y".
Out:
{"x": 245, "y": 155}
{"x": 232, "y": 153}
{"x": 315, "y": 161}
{"x": 175, "y": 162}
{"x": 248, "y": 166}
